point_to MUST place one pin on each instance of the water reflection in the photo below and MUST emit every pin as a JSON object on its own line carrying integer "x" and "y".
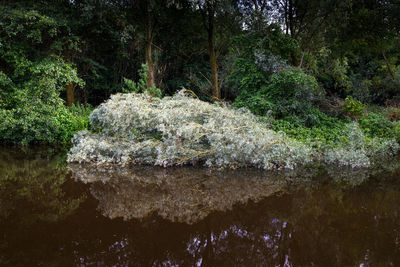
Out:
{"x": 324, "y": 227}
{"x": 32, "y": 196}
{"x": 183, "y": 194}
{"x": 189, "y": 194}
{"x": 31, "y": 181}
{"x": 315, "y": 222}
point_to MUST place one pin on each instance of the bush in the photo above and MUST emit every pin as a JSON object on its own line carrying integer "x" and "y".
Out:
{"x": 137, "y": 128}
{"x": 182, "y": 130}
{"x": 293, "y": 92}
{"x": 377, "y": 125}
{"x": 318, "y": 129}
{"x": 256, "y": 57}
{"x": 396, "y": 131}
{"x": 343, "y": 141}
{"x": 141, "y": 85}
{"x": 72, "y": 120}
{"x": 44, "y": 124}
{"x": 32, "y": 110}
{"x": 353, "y": 108}
{"x": 330, "y": 71}
{"x": 32, "y": 77}
{"x": 289, "y": 92}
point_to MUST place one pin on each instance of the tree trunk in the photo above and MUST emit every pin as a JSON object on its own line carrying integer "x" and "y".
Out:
{"x": 292, "y": 30}
{"x": 216, "y": 93}
{"x": 70, "y": 94}
{"x": 387, "y": 64}
{"x": 149, "y": 41}
{"x": 286, "y": 16}
{"x": 291, "y": 18}
{"x": 295, "y": 59}
{"x": 302, "y": 58}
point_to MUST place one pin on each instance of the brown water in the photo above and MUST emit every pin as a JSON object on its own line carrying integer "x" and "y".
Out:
{"x": 52, "y": 214}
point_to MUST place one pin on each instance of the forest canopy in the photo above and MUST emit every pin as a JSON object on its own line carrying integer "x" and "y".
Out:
{"x": 350, "y": 47}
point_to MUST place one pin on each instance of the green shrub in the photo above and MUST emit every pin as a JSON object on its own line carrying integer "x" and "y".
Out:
{"x": 293, "y": 92}
{"x": 377, "y": 125}
{"x": 32, "y": 77}
{"x": 289, "y": 92}
{"x": 246, "y": 77}
{"x": 322, "y": 130}
{"x": 353, "y": 108}
{"x": 31, "y": 109}
{"x": 141, "y": 85}
{"x": 44, "y": 124}
{"x": 256, "y": 57}
{"x": 396, "y": 131}
{"x": 73, "y": 119}
{"x": 257, "y": 104}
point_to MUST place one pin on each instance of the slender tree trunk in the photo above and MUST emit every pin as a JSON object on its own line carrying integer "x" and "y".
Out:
{"x": 292, "y": 29}
{"x": 70, "y": 94}
{"x": 387, "y": 64}
{"x": 286, "y": 16}
{"x": 291, "y": 18}
{"x": 302, "y": 58}
{"x": 149, "y": 41}
{"x": 216, "y": 93}
{"x": 84, "y": 96}
{"x": 295, "y": 59}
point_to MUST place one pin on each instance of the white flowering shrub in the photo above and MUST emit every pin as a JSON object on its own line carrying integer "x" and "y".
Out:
{"x": 178, "y": 130}
{"x": 182, "y": 130}
{"x": 358, "y": 150}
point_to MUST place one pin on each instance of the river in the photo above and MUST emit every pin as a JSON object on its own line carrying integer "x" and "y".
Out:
{"x": 54, "y": 214}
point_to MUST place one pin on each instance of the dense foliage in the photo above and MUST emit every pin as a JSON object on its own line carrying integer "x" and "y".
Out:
{"x": 32, "y": 110}
{"x": 31, "y": 80}
{"x": 285, "y": 93}
{"x": 180, "y": 130}
{"x": 324, "y": 75}
{"x": 137, "y": 128}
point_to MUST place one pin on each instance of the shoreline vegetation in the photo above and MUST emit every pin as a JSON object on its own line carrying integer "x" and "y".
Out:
{"x": 180, "y": 130}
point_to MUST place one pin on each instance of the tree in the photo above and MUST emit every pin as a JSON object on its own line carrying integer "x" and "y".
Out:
{"x": 308, "y": 21}
{"x": 258, "y": 14}
{"x": 374, "y": 26}
{"x": 148, "y": 14}
{"x": 208, "y": 10}
{"x": 220, "y": 21}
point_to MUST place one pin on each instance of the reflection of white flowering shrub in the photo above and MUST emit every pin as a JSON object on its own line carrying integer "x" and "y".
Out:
{"x": 184, "y": 130}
